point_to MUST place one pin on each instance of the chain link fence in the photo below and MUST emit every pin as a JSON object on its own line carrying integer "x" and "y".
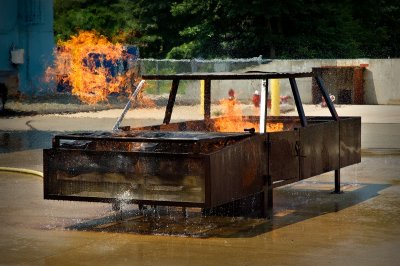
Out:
{"x": 189, "y": 91}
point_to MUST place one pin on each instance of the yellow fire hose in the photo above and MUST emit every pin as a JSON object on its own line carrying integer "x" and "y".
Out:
{"x": 21, "y": 170}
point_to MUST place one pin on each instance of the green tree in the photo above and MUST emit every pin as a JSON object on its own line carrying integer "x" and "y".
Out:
{"x": 297, "y": 28}
{"x": 380, "y": 21}
{"x": 157, "y": 29}
{"x": 225, "y": 28}
{"x": 148, "y": 24}
{"x": 109, "y": 18}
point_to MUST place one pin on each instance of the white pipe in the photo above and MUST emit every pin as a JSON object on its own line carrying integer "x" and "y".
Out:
{"x": 128, "y": 105}
{"x": 263, "y": 94}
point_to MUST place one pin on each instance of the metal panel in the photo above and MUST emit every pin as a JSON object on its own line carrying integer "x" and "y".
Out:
{"x": 127, "y": 175}
{"x": 238, "y": 171}
{"x": 319, "y": 149}
{"x": 283, "y": 159}
{"x": 350, "y": 141}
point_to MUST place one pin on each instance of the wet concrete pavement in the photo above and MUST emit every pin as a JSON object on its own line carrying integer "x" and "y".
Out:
{"x": 310, "y": 225}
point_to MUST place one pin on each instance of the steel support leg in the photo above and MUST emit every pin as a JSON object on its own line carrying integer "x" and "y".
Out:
{"x": 171, "y": 101}
{"x": 207, "y": 99}
{"x": 337, "y": 182}
{"x": 327, "y": 99}
{"x": 297, "y": 100}
{"x": 267, "y": 199}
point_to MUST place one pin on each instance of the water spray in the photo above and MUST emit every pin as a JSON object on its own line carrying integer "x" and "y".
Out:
{"x": 128, "y": 105}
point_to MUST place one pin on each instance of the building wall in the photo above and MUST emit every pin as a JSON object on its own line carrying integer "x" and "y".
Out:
{"x": 27, "y": 25}
{"x": 381, "y": 79}
{"x": 304, "y": 84}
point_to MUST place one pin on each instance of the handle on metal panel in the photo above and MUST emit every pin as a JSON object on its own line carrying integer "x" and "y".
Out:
{"x": 250, "y": 130}
{"x": 297, "y": 148}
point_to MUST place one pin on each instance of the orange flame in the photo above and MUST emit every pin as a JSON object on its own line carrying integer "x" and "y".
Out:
{"x": 80, "y": 62}
{"x": 233, "y": 120}
{"x": 274, "y": 127}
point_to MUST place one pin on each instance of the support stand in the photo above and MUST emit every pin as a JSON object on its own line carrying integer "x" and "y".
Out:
{"x": 337, "y": 183}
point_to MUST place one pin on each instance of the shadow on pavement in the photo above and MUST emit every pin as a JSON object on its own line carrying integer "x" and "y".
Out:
{"x": 8, "y": 113}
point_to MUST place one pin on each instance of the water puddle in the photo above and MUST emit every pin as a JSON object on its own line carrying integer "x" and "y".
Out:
{"x": 12, "y": 141}
{"x": 292, "y": 204}
{"x": 164, "y": 221}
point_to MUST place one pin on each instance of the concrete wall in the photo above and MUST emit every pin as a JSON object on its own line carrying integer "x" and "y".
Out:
{"x": 381, "y": 80}
{"x": 27, "y": 25}
{"x": 304, "y": 84}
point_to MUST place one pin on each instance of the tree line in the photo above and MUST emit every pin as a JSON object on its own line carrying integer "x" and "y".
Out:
{"x": 208, "y": 29}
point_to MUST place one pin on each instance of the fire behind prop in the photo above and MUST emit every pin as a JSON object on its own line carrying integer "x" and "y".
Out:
{"x": 92, "y": 67}
{"x": 234, "y": 121}
{"x": 194, "y": 164}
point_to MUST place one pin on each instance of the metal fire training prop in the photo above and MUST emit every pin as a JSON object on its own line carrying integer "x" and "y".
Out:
{"x": 191, "y": 164}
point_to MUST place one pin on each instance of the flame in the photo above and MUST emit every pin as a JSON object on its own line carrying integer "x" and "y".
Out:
{"x": 233, "y": 119}
{"x": 274, "y": 127}
{"x": 84, "y": 63}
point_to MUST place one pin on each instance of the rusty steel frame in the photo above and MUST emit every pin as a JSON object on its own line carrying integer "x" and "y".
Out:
{"x": 208, "y": 77}
{"x": 317, "y": 145}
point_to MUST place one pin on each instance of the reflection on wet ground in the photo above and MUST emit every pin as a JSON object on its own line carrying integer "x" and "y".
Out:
{"x": 293, "y": 204}
{"x": 170, "y": 222}
{"x": 7, "y": 113}
{"x": 11, "y": 141}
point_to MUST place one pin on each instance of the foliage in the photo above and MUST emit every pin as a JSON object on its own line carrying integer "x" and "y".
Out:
{"x": 225, "y": 28}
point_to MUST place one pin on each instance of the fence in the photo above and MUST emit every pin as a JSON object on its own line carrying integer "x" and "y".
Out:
{"x": 189, "y": 90}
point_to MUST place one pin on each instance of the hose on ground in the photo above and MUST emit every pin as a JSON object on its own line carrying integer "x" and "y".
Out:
{"x": 21, "y": 170}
